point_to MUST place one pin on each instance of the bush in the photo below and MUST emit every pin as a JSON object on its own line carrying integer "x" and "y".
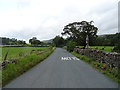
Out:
{"x": 71, "y": 45}
{"x": 117, "y": 47}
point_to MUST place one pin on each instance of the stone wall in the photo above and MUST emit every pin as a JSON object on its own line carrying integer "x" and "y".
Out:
{"x": 111, "y": 59}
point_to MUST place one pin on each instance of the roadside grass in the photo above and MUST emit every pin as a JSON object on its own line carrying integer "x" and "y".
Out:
{"x": 114, "y": 74}
{"x": 17, "y": 52}
{"x": 0, "y": 78}
{"x": 13, "y": 70}
{"x": 102, "y": 48}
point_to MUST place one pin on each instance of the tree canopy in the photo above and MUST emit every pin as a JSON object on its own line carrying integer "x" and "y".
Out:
{"x": 77, "y": 31}
{"x": 34, "y": 41}
{"x": 12, "y": 41}
{"x": 58, "y": 41}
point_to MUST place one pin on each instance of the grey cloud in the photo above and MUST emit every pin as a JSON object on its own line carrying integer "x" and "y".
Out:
{"x": 40, "y": 33}
{"x": 119, "y": 16}
{"x": 106, "y": 19}
{"x": 105, "y": 16}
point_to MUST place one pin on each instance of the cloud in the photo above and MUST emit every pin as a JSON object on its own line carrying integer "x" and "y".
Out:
{"x": 45, "y": 19}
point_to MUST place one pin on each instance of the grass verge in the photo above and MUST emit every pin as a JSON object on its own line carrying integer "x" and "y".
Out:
{"x": 13, "y": 70}
{"x": 114, "y": 73}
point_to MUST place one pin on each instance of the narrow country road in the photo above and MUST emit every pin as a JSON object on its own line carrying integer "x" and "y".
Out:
{"x": 54, "y": 72}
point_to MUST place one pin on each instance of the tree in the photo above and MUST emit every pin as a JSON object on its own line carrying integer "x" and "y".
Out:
{"x": 34, "y": 41}
{"x": 21, "y": 42}
{"x": 107, "y": 40}
{"x": 13, "y": 41}
{"x": 102, "y": 41}
{"x": 5, "y": 41}
{"x": 77, "y": 31}
{"x": 117, "y": 42}
{"x": 58, "y": 41}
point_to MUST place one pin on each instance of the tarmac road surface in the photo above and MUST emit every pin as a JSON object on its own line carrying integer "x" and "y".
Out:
{"x": 62, "y": 70}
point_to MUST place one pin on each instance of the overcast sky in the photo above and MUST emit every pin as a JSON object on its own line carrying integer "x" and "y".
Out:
{"x": 44, "y": 19}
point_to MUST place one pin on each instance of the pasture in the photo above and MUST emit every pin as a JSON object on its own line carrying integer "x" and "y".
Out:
{"x": 17, "y": 52}
{"x": 102, "y": 48}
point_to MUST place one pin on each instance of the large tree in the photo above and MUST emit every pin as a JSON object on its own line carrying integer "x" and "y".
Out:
{"x": 58, "y": 41}
{"x": 78, "y": 31}
{"x": 19, "y": 42}
{"x": 34, "y": 41}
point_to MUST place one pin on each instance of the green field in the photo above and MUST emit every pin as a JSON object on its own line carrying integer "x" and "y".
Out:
{"x": 102, "y": 48}
{"x": 17, "y": 52}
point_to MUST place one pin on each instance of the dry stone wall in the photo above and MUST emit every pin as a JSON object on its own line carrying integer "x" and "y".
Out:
{"x": 111, "y": 59}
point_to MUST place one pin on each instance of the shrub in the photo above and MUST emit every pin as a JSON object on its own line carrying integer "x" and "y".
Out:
{"x": 117, "y": 47}
{"x": 71, "y": 45}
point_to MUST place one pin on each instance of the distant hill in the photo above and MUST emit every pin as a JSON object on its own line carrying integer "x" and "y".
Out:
{"x": 48, "y": 41}
{"x": 106, "y": 35}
